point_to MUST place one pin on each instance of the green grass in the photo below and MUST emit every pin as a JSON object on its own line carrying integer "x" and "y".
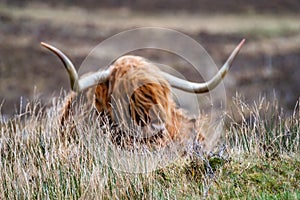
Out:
{"x": 257, "y": 158}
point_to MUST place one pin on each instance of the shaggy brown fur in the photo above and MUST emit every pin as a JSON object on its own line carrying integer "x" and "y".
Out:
{"x": 137, "y": 96}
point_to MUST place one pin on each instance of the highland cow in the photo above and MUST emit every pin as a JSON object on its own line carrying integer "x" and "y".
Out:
{"x": 132, "y": 92}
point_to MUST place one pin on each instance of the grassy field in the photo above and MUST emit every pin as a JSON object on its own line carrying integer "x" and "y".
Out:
{"x": 268, "y": 60}
{"x": 256, "y": 158}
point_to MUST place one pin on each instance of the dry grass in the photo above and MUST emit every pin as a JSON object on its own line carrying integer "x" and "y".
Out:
{"x": 268, "y": 60}
{"x": 258, "y": 157}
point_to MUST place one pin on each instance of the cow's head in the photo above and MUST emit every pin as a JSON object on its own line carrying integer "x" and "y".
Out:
{"x": 133, "y": 91}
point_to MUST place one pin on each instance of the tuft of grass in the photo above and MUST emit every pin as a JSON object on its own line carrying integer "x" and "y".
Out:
{"x": 256, "y": 158}
{"x": 263, "y": 129}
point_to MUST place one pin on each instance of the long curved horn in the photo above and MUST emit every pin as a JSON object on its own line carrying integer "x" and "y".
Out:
{"x": 209, "y": 85}
{"x": 76, "y": 83}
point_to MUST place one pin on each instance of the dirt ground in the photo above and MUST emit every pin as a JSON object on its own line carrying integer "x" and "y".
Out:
{"x": 268, "y": 64}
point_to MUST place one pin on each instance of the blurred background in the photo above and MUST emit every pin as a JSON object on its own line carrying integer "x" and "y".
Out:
{"x": 268, "y": 65}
